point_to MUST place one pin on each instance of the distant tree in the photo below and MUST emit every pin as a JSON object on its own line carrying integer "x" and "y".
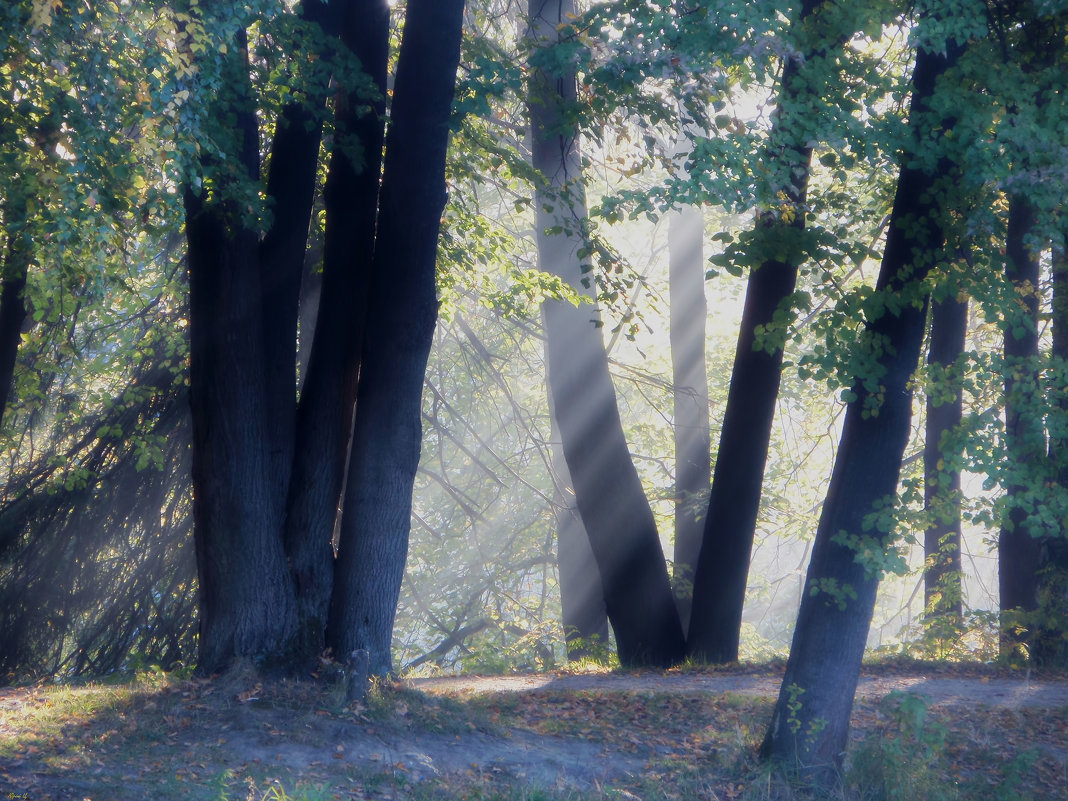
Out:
{"x": 941, "y": 464}
{"x": 689, "y": 378}
{"x": 810, "y": 722}
{"x": 1019, "y": 548}
{"x": 582, "y": 606}
{"x": 608, "y": 490}
{"x": 1049, "y": 643}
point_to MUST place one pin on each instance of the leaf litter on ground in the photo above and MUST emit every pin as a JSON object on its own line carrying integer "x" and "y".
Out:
{"x": 244, "y": 736}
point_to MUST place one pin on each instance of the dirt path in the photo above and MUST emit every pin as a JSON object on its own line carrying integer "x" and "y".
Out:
{"x": 1005, "y": 693}
{"x": 569, "y": 731}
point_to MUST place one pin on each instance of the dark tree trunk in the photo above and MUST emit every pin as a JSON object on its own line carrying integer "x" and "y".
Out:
{"x": 14, "y": 269}
{"x": 730, "y": 522}
{"x": 810, "y": 722}
{"x": 400, "y": 326}
{"x": 941, "y": 471}
{"x": 608, "y": 490}
{"x": 291, "y": 177}
{"x": 1019, "y": 549}
{"x": 1049, "y": 646}
{"x": 693, "y": 472}
{"x": 582, "y": 610}
{"x": 246, "y": 599}
{"x": 327, "y": 402}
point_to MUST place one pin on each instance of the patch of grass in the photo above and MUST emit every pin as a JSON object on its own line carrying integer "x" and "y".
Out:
{"x": 241, "y": 737}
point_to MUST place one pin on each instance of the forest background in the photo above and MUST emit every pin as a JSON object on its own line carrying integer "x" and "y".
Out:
{"x": 135, "y": 138}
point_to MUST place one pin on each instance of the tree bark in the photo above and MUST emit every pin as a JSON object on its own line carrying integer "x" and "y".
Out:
{"x": 1049, "y": 646}
{"x": 608, "y": 490}
{"x": 246, "y": 600}
{"x": 691, "y": 429}
{"x": 400, "y": 326}
{"x": 291, "y": 178}
{"x": 1020, "y": 549}
{"x": 941, "y": 473}
{"x": 327, "y": 403}
{"x": 14, "y": 270}
{"x": 737, "y": 482}
{"x": 810, "y": 722}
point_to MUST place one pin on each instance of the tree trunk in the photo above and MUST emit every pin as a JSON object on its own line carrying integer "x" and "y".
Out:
{"x": 693, "y": 472}
{"x": 608, "y": 490}
{"x": 1019, "y": 549}
{"x": 327, "y": 402}
{"x": 386, "y": 441}
{"x": 247, "y": 605}
{"x": 582, "y": 609}
{"x": 14, "y": 270}
{"x": 730, "y": 522}
{"x": 1049, "y": 645}
{"x": 291, "y": 178}
{"x": 810, "y": 722}
{"x": 941, "y": 473}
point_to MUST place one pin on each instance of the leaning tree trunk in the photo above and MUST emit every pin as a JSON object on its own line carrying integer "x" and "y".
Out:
{"x": 608, "y": 490}
{"x": 1019, "y": 549}
{"x": 688, "y": 312}
{"x": 582, "y": 610}
{"x": 730, "y": 522}
{"x": 328, "y": 396}
{"x": 810, "y": 722}
{"x": 941, "y": 470}
{"x": 386, "y": 441}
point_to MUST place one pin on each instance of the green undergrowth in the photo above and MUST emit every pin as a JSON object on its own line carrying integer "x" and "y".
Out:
{"x": 243, "y": 737}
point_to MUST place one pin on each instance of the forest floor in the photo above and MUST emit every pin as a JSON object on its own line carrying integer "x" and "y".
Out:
{"x": 977, "y": 733}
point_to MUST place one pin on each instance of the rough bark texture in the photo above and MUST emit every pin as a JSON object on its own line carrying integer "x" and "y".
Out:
{"x": 608, "y": 490}
{"x": 1019, "y": 549}
{"x": 400, "y": 325}
{"x": 691, "y": 429}
{"x": 327, "y": 402}
{"x": 246, "y": 599}
{"x": 730, "y": 522}
{"x": 941, "y": 491}
{"x": 810, "y": 722}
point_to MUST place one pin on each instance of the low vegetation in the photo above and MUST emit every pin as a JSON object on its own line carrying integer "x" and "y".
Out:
{"x": 169, "y": 736}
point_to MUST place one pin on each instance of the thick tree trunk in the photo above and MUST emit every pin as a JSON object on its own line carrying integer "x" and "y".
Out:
{"x": 1020, "y": 550}
{"x": 810, "y": 722}
{"x": 14, "y": 269}
{"x": 693, "y": 470}
{"x": 730, "y": 522}
{"x": 400, "y": 326}
{"x": 941, "y": 473}
{"x": 608, "y": 490}
{"x": 328, "y": 396}
{"x": 582, "y": 610}
{"x": 246, "y": 599}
